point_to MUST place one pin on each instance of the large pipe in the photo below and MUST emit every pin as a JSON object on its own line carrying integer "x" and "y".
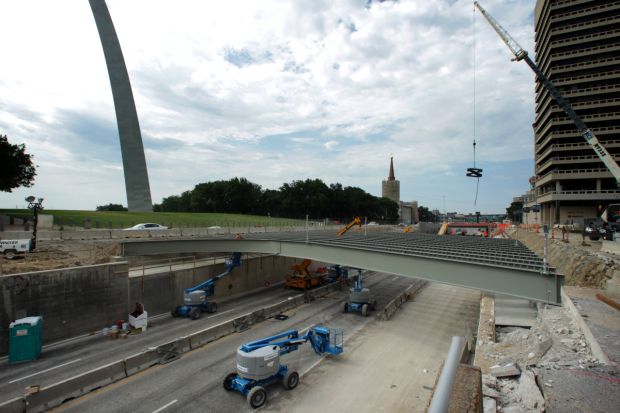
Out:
{"x": 443, "y": 390}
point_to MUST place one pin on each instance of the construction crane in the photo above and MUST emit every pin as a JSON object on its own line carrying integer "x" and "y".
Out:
{"x": 258, "y": 362}
{"x": 585, "y": 132}
{"x": 356, "y": 221}
{"x": 196, "y": 299}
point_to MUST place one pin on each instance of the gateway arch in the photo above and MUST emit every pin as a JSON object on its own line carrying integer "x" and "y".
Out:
{"x": 132, "y": 150}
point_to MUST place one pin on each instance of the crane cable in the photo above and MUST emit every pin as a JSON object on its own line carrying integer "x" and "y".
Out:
{"x": 474, "y": 172}
{"x": 474, "y": 53}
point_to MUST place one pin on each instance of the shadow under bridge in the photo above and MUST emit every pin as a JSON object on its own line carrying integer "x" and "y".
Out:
{"x": 494, "y": 265}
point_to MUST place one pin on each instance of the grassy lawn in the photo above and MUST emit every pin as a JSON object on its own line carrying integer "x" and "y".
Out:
{"x": 113, "y": 219}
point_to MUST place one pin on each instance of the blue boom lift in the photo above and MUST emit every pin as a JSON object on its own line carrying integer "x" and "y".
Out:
{"x": 196, "y": 300}
{"x": 258, "y": 362}
{"x": 360, "y": 298}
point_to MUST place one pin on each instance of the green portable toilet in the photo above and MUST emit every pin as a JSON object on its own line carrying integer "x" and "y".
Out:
{"x": 25, "y": 339}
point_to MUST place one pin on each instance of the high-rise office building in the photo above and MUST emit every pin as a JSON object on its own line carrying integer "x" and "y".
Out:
{"x": 578, "y": 49}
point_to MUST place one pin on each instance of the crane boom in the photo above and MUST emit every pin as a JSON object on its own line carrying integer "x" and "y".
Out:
{"x": 585, "y": 132}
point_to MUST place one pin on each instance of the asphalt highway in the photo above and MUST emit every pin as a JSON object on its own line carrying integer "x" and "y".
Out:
{"x": 59, "y": 362}
{"x": 194, "y": 382}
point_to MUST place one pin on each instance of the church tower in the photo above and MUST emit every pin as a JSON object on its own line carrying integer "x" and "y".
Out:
{"x": 390, "y": 188}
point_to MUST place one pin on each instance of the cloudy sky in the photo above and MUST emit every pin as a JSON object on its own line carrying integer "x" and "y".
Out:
{"x": 273, "y": 91}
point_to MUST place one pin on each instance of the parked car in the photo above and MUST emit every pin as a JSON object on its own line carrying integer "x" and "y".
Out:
{"x": 595, "y": 232}
{"x": 147, "y": 226}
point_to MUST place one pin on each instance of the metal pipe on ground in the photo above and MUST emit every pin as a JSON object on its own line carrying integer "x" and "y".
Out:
{"x": 443, "y": 390}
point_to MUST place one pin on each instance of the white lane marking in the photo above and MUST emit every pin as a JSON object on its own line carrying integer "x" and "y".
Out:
{"x": 306, "y": 371}
{"x": 165, "y": 406}
{"x": 45, "y": 371}
{"x": 223, "y": 312}
{"x": 395, "y": 278}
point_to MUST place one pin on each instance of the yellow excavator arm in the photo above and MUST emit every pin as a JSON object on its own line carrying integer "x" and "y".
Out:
{"x": 356, "y": 221}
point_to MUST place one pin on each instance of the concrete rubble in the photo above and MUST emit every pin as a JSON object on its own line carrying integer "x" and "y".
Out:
{"x": 512, "y": 365}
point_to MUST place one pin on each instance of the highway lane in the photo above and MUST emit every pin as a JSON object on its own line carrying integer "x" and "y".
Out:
{"x": 194, "y": 382}
{"x": 62, "y": 361}
{"x": 71, "y": 358}
{"x": 392, "y": 365}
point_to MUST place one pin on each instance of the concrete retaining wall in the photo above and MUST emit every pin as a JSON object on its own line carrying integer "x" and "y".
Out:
{"x": 77, "y": 301}
{"x": 72, "y": 301}
{"x": 161, "y": 292}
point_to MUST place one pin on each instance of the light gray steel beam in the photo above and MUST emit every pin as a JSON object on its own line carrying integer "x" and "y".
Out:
{"x": 514, "y": 281}
{"x": 132, "y": 150}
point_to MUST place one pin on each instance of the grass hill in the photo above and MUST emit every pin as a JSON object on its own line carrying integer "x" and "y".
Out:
{"x": 120, "y": 219}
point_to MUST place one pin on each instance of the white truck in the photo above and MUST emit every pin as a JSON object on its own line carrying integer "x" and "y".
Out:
{"x": 11, "y": 247}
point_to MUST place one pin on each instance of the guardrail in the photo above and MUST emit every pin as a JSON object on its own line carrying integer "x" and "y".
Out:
{"x": 54, "y": 395}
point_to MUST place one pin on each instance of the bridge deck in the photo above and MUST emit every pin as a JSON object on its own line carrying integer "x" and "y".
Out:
{"x": 494, "y": 265}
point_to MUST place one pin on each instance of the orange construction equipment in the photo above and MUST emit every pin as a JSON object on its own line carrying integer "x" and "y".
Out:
{"x": 302, "y": 279}
{"x": 356, "y": 221}
{"x": 408, "y": 229}
{"x": 443, "y": 229}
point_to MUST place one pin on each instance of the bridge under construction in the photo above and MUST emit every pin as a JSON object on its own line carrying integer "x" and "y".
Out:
{"x": 494, "y": 265}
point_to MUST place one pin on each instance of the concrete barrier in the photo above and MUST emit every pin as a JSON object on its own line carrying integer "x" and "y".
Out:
{"x": 210, "y": 334}
{"x": 172, "y": 232}
{"x": 121, "y": 233}
{"x": 172, "y": 350}
{"x": 243, "y": 322}
{"x": 13, "y": 406}
{"x": 86, "y": 234}
{"x": 189, "y": 232}
{"x": 280, "y": 307}
{"x": 140, "y": 361}
{"x": 393, "y": 306}
{"x": 180, "y": 344}
{"x": 54, "y": 395}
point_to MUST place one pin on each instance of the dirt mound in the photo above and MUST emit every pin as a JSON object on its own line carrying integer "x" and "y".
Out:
{"x": 580, "y": 266}
{"x": 62, "y": 254}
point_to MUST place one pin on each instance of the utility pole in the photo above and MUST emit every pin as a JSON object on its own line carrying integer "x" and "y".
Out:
{"x": 35, "y": 206}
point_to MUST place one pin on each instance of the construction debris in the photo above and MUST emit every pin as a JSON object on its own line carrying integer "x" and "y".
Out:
{"x": 555, "y": 342}
{"x": 509, "y": 369}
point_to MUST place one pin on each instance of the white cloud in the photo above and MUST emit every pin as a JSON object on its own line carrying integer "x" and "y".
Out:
{"x": 330, "y": 145}
{"x": 223, "y": 78}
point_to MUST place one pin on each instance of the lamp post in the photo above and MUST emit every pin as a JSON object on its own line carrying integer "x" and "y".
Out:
{"x": 35, "y": 205}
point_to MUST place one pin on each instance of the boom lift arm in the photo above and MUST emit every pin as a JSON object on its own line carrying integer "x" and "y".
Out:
{"x": 258, "y": 362}
{"x": 196, "y": 298}
{"x": 290, "y": 340}
{"x": 209, "y": 284}
{"x": 585, "y": 132}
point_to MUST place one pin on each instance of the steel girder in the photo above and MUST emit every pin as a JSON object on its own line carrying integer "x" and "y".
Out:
{"x": 497, "y": 266}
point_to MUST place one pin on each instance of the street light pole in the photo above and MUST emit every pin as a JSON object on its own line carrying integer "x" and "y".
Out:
{"x": 36, "y": 205}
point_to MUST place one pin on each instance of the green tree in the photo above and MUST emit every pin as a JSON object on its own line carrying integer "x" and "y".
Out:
{"x": 291, "y": 200}
{"x": 111, "y": 207}
{"x": 514, "y": 211}
{"x": 16, "y": 167}
{"x": 426, "y": 215}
